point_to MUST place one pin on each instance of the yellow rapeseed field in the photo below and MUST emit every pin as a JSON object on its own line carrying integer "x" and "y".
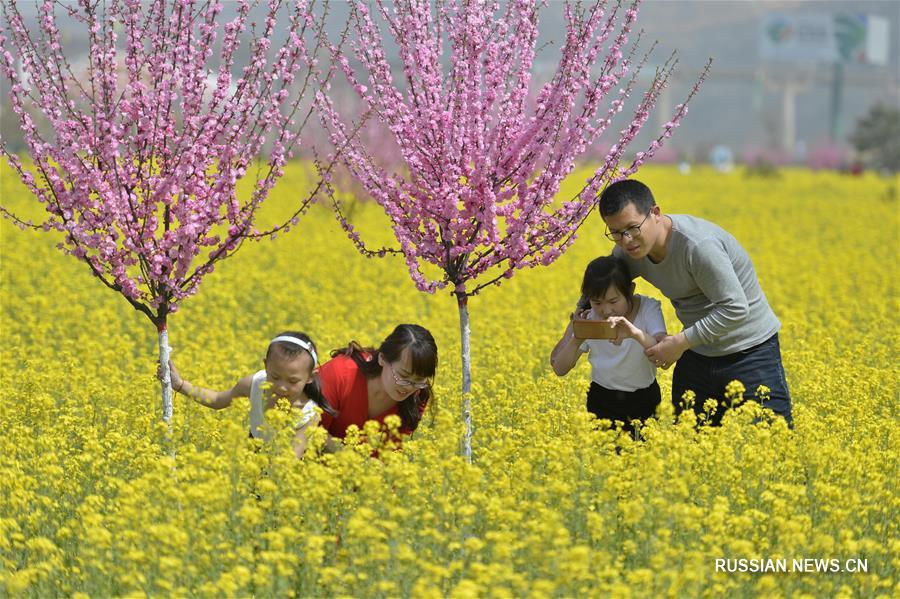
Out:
{"x": 98, "y": 498}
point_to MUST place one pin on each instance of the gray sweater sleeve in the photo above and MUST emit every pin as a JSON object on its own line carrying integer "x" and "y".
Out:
{"x": 714, "y": 274}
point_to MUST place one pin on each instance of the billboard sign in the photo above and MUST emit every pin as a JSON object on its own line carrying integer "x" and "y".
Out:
{"x": 842, "y": 37}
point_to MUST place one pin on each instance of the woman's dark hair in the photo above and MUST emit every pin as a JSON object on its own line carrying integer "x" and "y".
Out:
{"x": 312, "y": 389}
{"x": 621, "y": 193}
{"x": 423, "y": 355}
{"x": 603, "y": 273}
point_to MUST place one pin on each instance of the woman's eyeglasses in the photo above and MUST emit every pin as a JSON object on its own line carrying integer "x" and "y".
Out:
{"x": 407, "y": 384}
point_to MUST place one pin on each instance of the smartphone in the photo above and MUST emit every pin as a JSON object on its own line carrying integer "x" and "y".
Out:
{"x": 593, "y": 329}
{"x": 584, "y": 304}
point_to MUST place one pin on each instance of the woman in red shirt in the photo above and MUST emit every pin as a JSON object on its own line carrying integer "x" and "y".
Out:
{"x": 364, "y": 384}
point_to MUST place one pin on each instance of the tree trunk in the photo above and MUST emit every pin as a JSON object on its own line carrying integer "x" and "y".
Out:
{"x": 462, "y": 301}
{"x": 166, "y": 382}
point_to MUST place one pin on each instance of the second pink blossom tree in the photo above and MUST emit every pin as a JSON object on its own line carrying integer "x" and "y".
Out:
{"x": 483, "y": 152}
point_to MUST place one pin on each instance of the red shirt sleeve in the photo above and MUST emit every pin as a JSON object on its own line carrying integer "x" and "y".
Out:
{"x": 334, "y": 387}
{"x": 344, "y": 386}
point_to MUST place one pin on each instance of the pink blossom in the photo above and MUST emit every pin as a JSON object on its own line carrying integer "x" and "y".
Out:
{"x": 485, "y": 154}
{"x": 148, "y": 129}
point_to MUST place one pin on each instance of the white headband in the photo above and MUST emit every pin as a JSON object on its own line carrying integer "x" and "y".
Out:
{"x": 304, "y": 344}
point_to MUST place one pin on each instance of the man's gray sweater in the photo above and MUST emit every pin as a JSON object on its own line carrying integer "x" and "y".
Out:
{"x": 711, "y": 282}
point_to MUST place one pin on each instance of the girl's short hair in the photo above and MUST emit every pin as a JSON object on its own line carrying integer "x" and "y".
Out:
{"x": 312, "y": 389}
{"x": 603, "y": 273}
{"x": 423, "y": 354}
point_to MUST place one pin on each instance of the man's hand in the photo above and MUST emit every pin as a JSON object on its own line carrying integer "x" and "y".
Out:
{"x": 666, "y": 352}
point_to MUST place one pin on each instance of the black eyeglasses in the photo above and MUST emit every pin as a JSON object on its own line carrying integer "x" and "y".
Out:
{"x": 631, "y": 232}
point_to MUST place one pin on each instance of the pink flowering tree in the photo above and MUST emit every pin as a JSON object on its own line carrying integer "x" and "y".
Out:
{"x": 484, "y": 149}
{"x": 136, "y": 150}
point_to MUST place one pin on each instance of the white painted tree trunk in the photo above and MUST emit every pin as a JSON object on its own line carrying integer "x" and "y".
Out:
{"x": 164, "y": 350}
{"x": 466, "y": 376}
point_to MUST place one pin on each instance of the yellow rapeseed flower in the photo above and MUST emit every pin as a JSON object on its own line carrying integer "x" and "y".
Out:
{"x": 103, "y": 499}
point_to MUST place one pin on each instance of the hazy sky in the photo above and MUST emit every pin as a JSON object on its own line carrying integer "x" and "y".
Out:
{"x": 744, "y": 101}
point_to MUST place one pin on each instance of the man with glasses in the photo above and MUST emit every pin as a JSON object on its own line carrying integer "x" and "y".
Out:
{"x": 730, "y": 331}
